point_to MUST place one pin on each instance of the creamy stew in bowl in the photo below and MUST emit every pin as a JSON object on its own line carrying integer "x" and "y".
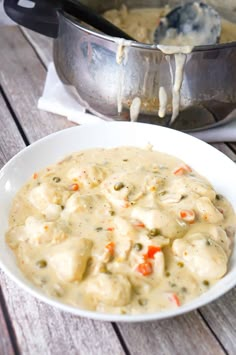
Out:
{"x": 123, "y": 230}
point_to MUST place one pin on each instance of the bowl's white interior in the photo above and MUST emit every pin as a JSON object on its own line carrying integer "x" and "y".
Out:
{"x": 209, "y": 162}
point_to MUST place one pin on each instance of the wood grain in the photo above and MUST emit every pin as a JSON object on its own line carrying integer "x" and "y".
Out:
{"x": 187, "y": 334}
{"x": 41, "y": 329}
{"x": 22, "y": 77}
{"x": 41, "y": 44}
{"x": 221, "y": 317}
{"x": 5, "y": 342}
{"x": 11, "y": 143}
{"x": 182, "y": 335}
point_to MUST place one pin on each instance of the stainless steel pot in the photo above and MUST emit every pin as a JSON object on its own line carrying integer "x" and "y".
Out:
{"x": 86, "y": 62}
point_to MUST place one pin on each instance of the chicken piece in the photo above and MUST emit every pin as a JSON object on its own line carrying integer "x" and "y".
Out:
{"x": 89, "y": 175}
{"x": 43, "y": 195}
{"x": 120, "y": 190}
{"x": 170, "y": 198}
{"x": 203, "y": 256}
{"x": 220, "y": 237}
{"x": 122, "y": 248}
{"x": 186, "y": 185}
{"x": 159, "y": 265}
{"x": 69, "y": 259}
{"x": 153, "y": 183}
{"x": 123, "y": 228}
{"x": 207, "y": 211}
{"x": 113, "y": 290}
{"x": 15, "y": 236}
{"x": 52, "y": 212}
{"x": 160, "y": 219}
{"x": 78, "y": 204}
{"x": 202, "y": 188}
{"x": 38, "y": 231}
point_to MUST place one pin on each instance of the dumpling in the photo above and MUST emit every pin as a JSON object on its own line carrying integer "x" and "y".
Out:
{"x": 43, "y": 195}
{"x": 36, "y": 231}
{"x": 89, "y": 175}
{"x": 160, "y": 219}
{"x": 203, "y": 256}
{"x": 69, "y": 259}
{"x": 207, "y": 211}
{"x": 111, "y": 289}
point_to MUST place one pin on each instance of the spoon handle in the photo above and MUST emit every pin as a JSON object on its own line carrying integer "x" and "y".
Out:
{"x": 87, "y": 15}
{"x": 42, "y": 16}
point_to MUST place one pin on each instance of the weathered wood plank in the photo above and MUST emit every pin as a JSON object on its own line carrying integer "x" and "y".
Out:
{"x": 22, "y": 79}
{"x": 41, "y": 44}
{"x": 41, "y": 329}
{"x": 221, "y": 317}
{"x": 182, "y": 335}
{"x": 5, "y": 341}
{"x": 10, "y": 143}
{"x": 10, "y": 139}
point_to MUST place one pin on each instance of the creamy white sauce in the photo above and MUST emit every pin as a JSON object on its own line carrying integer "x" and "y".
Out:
{"x": 135, "y": 109}
{"x": 163, "y": 99}
{"x": 141, "y": 24}
{"x": 122, "y": 230}
{"x": 180, "y": 59}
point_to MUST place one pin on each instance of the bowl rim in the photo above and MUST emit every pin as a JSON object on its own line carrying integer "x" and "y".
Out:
{"x": 38, "y": 294}
{"x": 144, "y": 46}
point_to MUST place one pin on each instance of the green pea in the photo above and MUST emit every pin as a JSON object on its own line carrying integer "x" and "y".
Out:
{"x": 206, "y": 283}
{"x": 180, "y": 264}
{"x": 118, "y": 186}
{"x": 56, "y": 179}
{"x": 138, "y": 246}
{"x": 153, "y": 232}
{"x": 41, "y": 263}
{"x": 142, "y": 301}
{"x": 99, "y": 229}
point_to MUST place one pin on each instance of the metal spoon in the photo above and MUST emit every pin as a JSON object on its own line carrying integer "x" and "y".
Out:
{"x": 194, "y": 24}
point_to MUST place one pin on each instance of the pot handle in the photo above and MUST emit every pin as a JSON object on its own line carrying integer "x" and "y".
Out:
{"x": 39, "y": 15}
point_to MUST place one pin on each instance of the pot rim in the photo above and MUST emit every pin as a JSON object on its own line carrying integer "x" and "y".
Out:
{"x": 69, "y": 18}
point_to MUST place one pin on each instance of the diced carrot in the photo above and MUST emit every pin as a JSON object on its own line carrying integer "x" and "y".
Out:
{"x": 175, "y": 299}
{"x": 111, "y": 247}
{"x": 183, "y": 169}
{"x": 152, "y": 250}
{"x": 126, "y": 204}
{"x": 187, "y": 215}
{"x": 139, "y": 224}
{"x": 35, "y": 176}
{"x": 110, "y": 229}
{"x": 74, "y": 187}
{"x": 145, "y": 268}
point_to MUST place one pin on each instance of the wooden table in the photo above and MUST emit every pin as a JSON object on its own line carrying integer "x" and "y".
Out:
{"x": 28, "y": 326}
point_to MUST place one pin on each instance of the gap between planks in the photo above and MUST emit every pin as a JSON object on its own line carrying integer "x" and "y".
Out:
{"x": 43, "y": 48}
{"x": 181, "y": 323}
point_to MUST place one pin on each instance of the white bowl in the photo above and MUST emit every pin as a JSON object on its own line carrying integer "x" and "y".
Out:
{"x": 208, "y": 161}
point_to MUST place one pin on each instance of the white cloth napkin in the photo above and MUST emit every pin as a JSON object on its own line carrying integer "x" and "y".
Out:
{"x": 58, "y": 100}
